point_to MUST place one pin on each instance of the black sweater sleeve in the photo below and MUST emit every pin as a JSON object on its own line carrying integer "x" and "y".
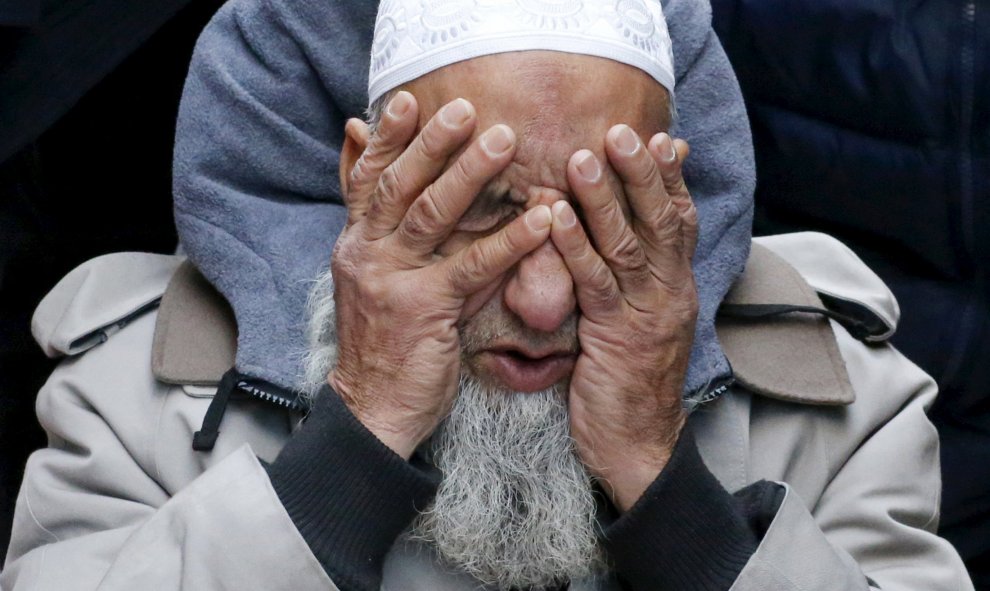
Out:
{"x": 349, "y": 495}
{"x": 687, "y": 532}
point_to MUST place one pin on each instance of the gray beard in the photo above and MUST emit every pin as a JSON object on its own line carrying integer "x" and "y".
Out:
{"x": 515, "y": 507}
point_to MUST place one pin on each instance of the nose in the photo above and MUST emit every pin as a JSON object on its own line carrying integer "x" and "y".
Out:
{"x": 541, "y": 291}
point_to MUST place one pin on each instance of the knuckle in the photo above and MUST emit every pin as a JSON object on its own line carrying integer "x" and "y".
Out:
{"x": 376, "y": 145}
{"x": 476, "y": 258}
{"x": 384, "y": 136}
{"x": 673, "y": 180}
{"x": 589, "y": 259}
{"x": 462, "y": 172}
{"x": 415, "y": 228}
{"x": 679, "y": 188}
{"x": 375, "y": 291}
{"x": 377, "y": 155}
{"x": 648, "y": 174}
{"x": 667, "y": 224}
{"x": 609, "y": 215}
{"x": 344, "y": 271}
{"x": 433, "y": 142}
{"x": 344, "y": 250}
{"x": 470, "y": 268}
{"x": 359, "y": 174}
{"x": 434, "y": 207}
{"x": 627, "y": 254}
{"x": 669, "y": 213}
{"x": 604, "y": 288}
{"x": 389, "y": 184}
{"x": 689, "y": 216}
{"x": 507, "y": 243}
{"x": 598, "y": 276}
{"x": 339, "y": 266}
{"x": 424, "y": 217}
{"x": 681, "y": 301}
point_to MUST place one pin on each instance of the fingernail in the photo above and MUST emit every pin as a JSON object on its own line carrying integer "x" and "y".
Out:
{"x": 456, "y": 113}
{"x": 589, "y": 168}
{"x": 399, "y": 105}
{"x": 563, "y": 214}
{"x": 669, "y": 153}
{"x": 497, "y": 140}
{"x": 539, "y": 217}
{"x": 627, "y": 141}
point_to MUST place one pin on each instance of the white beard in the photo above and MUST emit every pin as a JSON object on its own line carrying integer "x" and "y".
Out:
{"x": 515, "y": 507}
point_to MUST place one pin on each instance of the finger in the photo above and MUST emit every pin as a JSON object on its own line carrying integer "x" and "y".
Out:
{"x": 655, "y": 215}
{"x": 640, "y": 176}
{"x": 419, "y": 165}
{"x": 435, "y": 213}
{"x": 394, "y": 132}
{"x": 670, "y": 156}
{"x": 485, "y": 259}
{"x": 595, "y": 286}
{"x": 612, "y": 235}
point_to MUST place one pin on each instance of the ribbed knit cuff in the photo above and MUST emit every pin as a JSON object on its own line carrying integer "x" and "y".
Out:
{"x": 685, "y": 533}
{"x": 349, "y": 495}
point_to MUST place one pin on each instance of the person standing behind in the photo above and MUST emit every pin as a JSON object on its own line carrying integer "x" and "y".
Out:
{"x": 871, "y": 121}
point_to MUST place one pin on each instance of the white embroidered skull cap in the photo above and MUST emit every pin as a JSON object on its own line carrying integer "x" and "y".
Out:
{"x": 415, "y": 37}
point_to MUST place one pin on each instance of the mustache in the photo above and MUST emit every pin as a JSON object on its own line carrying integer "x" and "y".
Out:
{"x": 494, "y": 324}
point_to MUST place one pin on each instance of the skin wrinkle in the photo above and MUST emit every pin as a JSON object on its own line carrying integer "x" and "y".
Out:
{"x": 548, "y": 135}
{"x": 546, "y": 130}
{"x": 516, "y": 505}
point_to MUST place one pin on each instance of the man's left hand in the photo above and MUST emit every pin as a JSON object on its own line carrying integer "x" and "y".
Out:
{"x": 636, "y": 292}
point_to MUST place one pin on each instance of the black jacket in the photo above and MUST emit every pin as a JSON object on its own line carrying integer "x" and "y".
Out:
{"x": 871, "y": 121}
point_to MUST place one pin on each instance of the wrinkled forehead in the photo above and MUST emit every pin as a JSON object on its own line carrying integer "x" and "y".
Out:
{"x": 557, "y": 103}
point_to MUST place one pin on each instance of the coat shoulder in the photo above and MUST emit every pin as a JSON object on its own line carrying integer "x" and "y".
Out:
{"x": 195, "y": 334}
{"x": 784, "y": 323}
{"x": 99, "y": 298}
{"x": 839, "y": 277}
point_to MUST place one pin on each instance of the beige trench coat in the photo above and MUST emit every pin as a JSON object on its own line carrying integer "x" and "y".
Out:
{"x": 119, "y": 500}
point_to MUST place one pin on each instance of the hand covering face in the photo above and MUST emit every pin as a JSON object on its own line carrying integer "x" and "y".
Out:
{"x": 257, "y": 198}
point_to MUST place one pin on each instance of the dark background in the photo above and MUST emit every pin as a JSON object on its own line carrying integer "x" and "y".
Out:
{"x": 85, "y": 169}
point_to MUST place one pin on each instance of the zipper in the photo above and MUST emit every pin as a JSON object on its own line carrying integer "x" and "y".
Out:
{"x": 273, "y": 394}
{"x": 967, "y": 99}
{"x": 717, "y": 390}
{"x": 713, "y": 391}
{"x": 967, "y": 88}
{"x": 206, "y": 438}
{"x": 103, "y": 334}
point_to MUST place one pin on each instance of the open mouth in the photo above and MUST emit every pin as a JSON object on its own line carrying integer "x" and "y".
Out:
{"x": 523, "y": 371}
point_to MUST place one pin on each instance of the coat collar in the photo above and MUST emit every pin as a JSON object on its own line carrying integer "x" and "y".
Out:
{"x": 196, "y": 336}
{"x": 765, "y": 352}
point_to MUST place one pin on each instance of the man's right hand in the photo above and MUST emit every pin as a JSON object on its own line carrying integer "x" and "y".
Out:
{"x": 398, "y": 302}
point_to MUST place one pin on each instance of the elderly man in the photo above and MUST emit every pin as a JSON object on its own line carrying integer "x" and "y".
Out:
{"x": 515, "y": 380}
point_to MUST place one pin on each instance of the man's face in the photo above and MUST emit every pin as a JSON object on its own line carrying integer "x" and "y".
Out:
{"x": 519, "y": 333}
{"x": 516, "y": 507}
